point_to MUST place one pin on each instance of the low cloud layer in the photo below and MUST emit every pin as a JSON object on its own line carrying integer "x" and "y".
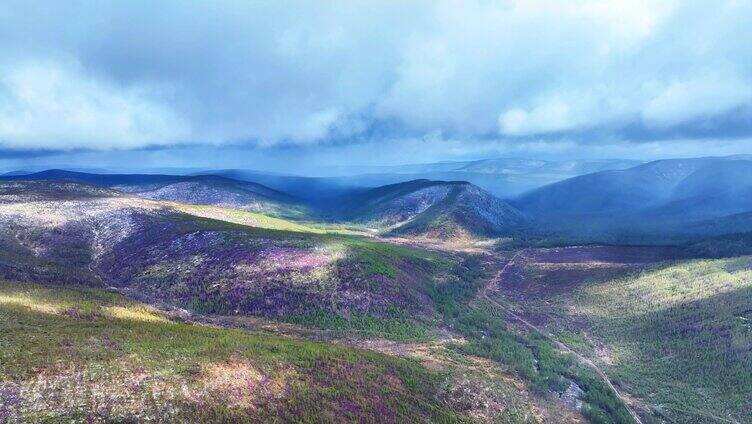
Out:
{"x": 125, "y": 75}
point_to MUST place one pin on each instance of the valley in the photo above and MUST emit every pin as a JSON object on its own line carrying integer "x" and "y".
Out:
{"x": 376, "y": 212}
{"x": 168, "y": 298}
{"x": 671, "y": 330}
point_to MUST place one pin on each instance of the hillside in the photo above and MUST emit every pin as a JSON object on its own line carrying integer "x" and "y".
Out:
{"x": 674, "y": 332}
{"x": 436, "y": 209}
{"x": 661, "y": 196}
{"x": 207, "y": 258}
{"x": 713, "y": 190}
{"x": 88, "y": 355}
{"x": 199, "y": 190}
{"x": 233, "y": 268}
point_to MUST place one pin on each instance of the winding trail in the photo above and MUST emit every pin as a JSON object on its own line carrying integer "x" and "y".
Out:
{"x": 496, "y": 280}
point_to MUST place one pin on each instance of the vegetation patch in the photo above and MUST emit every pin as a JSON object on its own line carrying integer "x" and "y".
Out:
{"x": 681, "y": 335}
{"x": 675, "y": 334}
{"x": 528, "y": 354}
{"x": 242, "y": 217}
{"x": 398, "y": 327}
{"x": 123, "y": 362}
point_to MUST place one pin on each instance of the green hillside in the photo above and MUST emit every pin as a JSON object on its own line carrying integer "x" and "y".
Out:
{"x": 677, "y": 335}
{"x": 681, "y": 336}
{"x": 86, "y": 355}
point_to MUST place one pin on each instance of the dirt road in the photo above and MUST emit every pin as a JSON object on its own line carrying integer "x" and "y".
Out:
{"x": 497, "y": 279}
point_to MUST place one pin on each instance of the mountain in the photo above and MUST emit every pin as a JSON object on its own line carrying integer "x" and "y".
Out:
{"x": 502, "y": 166}
{"x": 288, "y": 305}
{"x": 437, "y": 209}
{"x": 433, "y": 208}
{"x": 504, "y": 177}
{"x": 218, "y": 191}
{"x": 15, "y": 173}
{"x": 714, "y": 190}
{"x": 647, "y": 187}
{"x": 68, "y": 232}
{"x": 199, "y": 190}
{"x": 663, "y": 195}
{"x": 185, "y": 365}
{"x": 552, "y": 169}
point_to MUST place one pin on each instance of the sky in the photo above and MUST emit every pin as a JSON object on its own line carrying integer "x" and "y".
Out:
{"x": 295, "y": 85}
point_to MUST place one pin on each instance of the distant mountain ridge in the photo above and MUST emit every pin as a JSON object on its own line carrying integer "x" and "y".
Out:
{"x": 672, "y": 194}
{"x": 199, "y": 190}
{"x": 673, "y": 191}
{"x": 502, "y": 177}
{"x": 504, "y": 166}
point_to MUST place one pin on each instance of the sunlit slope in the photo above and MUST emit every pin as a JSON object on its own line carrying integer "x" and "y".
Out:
{"x": 93, "y": 356}
{"x": 681, "y": 336}
{"x": 214, "y": 260}
{"x": 676, "y": 334}
{"x": 198, "y": 190}
{"x": 247, "y": 218}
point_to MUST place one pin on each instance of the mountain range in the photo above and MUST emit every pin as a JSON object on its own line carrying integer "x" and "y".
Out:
{"x": 502, "y": 177}
{"x": 419, "y": 301}
{"x": 696, "y": 195}
{"x": 660, "y": 195}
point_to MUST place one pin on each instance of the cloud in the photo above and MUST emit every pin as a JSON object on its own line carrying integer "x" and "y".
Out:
{"x": 133, "y": 74}
{"x": 51, "y": 107}
{"x": 552, "y": 116}
{"x": 313, "y": 127}
{"x": 480, "y": 60}
{"x": 700, "y": 97}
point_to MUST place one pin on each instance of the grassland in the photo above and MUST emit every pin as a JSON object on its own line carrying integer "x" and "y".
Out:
{"x": 252, "y": 219}
{"x": 86, "y": 355}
